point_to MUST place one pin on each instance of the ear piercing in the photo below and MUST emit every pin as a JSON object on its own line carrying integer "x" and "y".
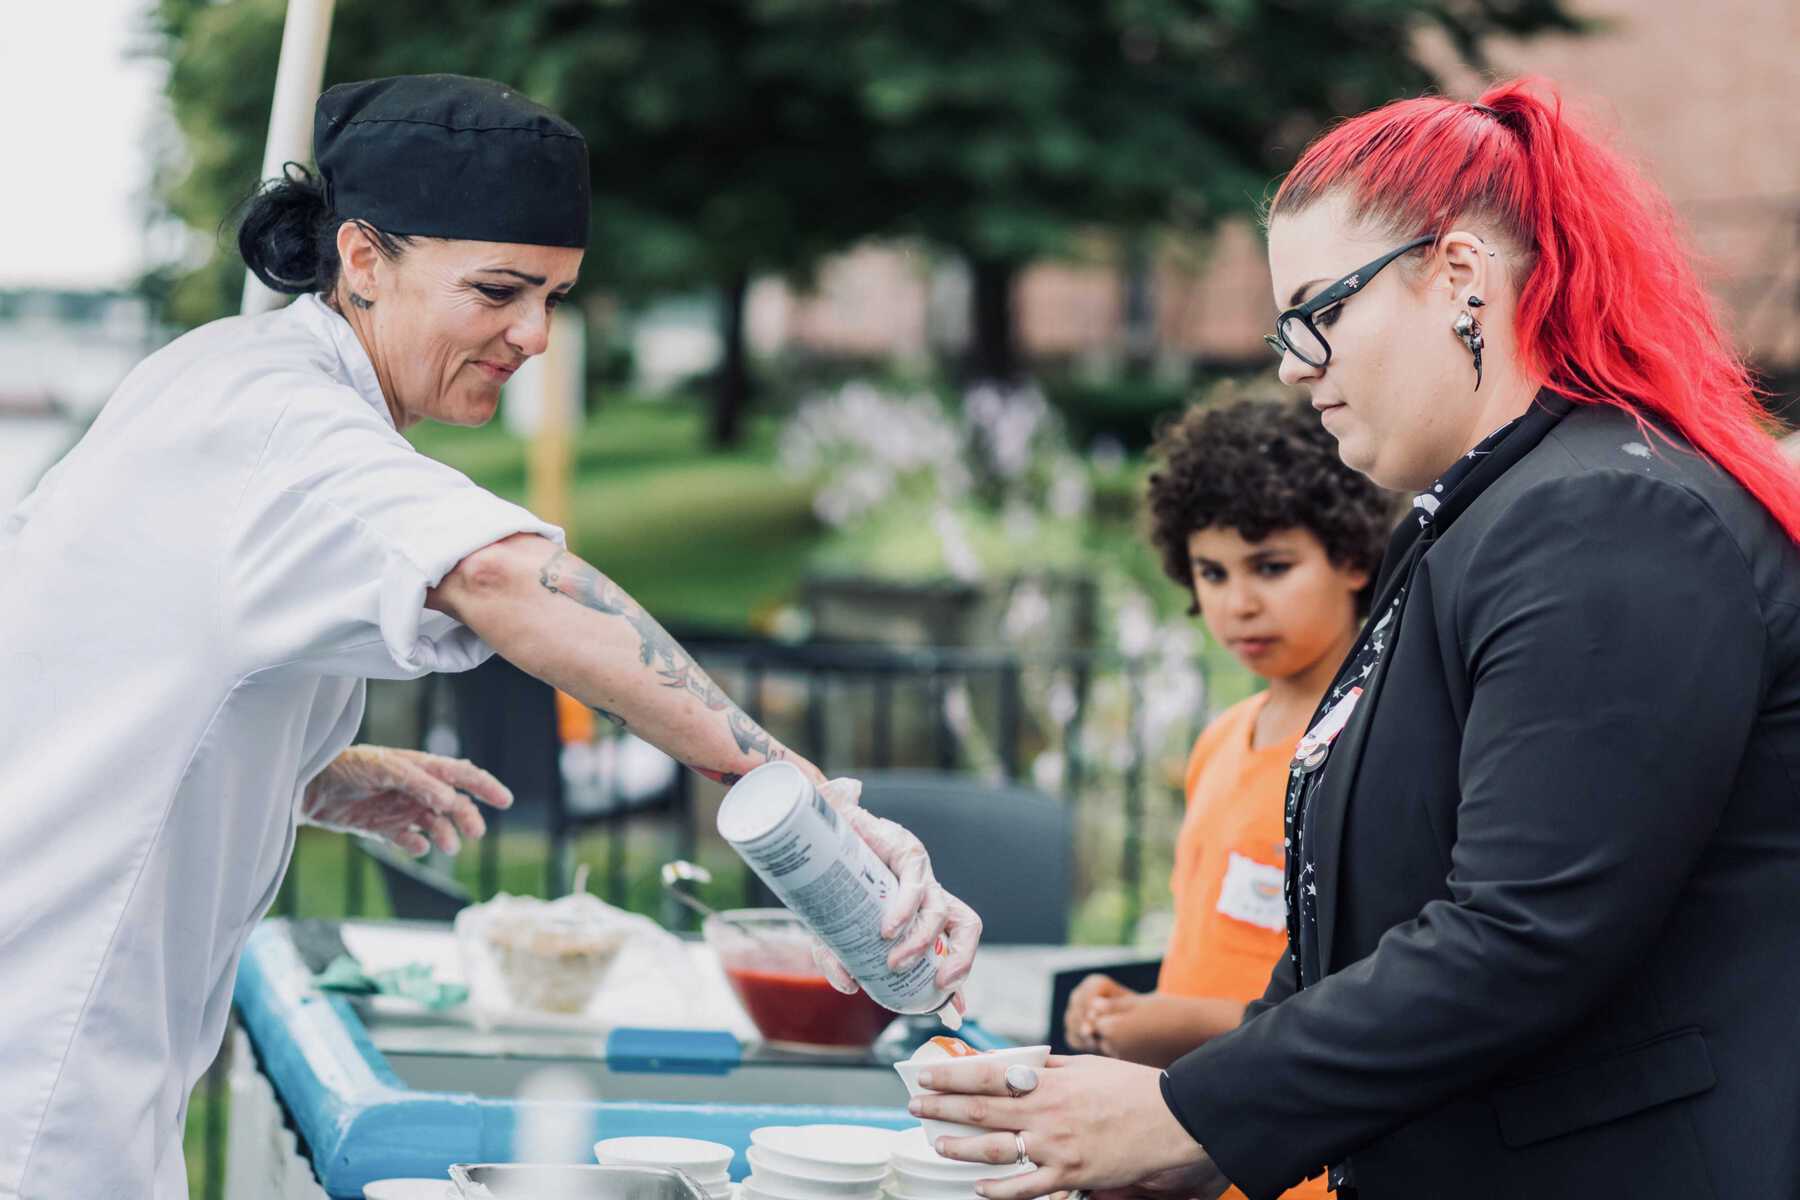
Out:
{"x": 360, "y": 301}
{"x": 1468, "y": 329}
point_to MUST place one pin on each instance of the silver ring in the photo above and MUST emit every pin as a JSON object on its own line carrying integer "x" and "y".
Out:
{"x": 1020, "y": 1079}
{"x": 1019, "y": 1139}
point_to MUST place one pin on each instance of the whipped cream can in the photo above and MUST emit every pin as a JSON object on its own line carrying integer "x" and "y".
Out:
{"x": 826, "y": 875}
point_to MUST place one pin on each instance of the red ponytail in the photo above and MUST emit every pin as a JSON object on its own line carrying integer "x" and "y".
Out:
{"x": 1611, "y": 310}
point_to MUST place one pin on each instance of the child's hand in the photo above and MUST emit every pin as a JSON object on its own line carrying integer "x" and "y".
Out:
{"x": 1078, "y": 1018}
{"x": 1135, "y": 1027}
{"x": 1155, "y": 1028}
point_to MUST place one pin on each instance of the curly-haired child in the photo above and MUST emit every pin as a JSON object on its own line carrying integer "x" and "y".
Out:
{"x": 1278, "y": 541}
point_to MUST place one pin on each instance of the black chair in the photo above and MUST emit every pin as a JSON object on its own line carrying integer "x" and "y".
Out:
{"x": 506, "y": 722}
{"x": 1006, "y": 849}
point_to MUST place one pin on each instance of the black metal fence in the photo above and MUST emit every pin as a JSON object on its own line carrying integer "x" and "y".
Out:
{"x": 1084, "y": 726}
{"x": 995, "y": 713}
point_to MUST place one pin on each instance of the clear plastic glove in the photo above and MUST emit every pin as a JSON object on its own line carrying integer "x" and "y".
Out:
{"x": 919, "y": 911}
{"x": 405, "y": 797}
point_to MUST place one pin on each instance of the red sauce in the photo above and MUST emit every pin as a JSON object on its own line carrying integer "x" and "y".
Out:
{"x": 807, "y": 1009}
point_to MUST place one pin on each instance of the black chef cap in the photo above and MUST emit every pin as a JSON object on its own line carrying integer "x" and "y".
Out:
{"x": 452, "y": 157}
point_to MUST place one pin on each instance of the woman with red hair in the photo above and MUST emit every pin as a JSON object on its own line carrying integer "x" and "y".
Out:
{"x": 1543, "y": 834}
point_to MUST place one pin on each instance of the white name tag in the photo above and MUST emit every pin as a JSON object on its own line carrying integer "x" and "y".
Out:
{"x": 1252, "y": 892}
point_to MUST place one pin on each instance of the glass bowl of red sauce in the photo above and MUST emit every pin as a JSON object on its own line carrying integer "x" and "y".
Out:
{"x": 767, "y": 957}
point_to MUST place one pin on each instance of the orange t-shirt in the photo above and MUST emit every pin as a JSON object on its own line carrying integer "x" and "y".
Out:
{"x": 1230, "y": 917}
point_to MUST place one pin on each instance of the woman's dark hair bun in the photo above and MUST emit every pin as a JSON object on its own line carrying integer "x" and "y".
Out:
{"x": 287, "y": 233}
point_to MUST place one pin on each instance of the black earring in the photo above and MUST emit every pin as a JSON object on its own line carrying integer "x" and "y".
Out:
{"x": 360, "y": 302}
{"x": 1468, "y": 329}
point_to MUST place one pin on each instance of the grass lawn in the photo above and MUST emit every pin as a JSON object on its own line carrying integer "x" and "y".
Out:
{"x": 698, "y": 536}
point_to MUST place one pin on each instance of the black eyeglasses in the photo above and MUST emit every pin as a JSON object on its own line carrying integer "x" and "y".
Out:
{"x": 1295, "y": 331}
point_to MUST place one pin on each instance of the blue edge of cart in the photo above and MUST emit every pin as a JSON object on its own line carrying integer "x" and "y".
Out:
{"x": 361, "y": 1123}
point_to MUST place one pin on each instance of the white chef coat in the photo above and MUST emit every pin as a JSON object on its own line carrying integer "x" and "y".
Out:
{"x": 189, "y": 604}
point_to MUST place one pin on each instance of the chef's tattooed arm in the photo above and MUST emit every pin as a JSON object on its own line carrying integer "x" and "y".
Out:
{"x": 570, "y": 577}
{"x": 562, "y": 620}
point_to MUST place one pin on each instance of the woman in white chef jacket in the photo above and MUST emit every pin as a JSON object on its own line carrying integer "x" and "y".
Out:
{"x": 191, "y": 600}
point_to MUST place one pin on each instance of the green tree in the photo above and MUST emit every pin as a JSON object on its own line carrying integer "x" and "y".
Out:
{"x": 735, "y": 137}
{"x": 715, "y": 156}
{"x": 1009, "y": 129}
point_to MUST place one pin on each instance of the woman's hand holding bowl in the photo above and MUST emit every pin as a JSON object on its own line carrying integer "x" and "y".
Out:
{"x": 1091, "y": 1123}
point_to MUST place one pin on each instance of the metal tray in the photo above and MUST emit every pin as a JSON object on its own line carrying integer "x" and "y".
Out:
{"x": 550, "y": 1181}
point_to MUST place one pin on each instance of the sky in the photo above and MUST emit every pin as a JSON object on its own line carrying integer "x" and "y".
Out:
{"x": 75, "y": 115}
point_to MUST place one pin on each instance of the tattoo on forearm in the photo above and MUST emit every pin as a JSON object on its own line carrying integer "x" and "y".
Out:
{"x": 568, "y": 576}
{"x": 751, "y": 737}
{"x": 615, "y": 718}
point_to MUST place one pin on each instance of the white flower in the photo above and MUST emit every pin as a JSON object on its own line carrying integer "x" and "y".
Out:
{"x": 959, "y": 709}
{"x": 832, "y": 507}
{"x": 1173, "y": 692}
{"x": 864, "y": 442}
{"x": 960, "y": 558}
{"x": 1070, "y": 492}
{"x": 1136, "y": 625}
{"x": 1019, "y": 521}
{"x": 790, "y": 624}
{"x": 1005, "y": 425}
{"x": 1027, "y": 612}
{"x": 954, "y": 480}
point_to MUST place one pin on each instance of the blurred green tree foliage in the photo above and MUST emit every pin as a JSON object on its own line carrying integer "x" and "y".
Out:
{"x": 735, "y": 137}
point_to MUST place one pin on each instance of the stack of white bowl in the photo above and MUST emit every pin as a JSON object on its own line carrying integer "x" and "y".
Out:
{"x": 409, "y": 1189}
{"x": 921, "y": 1173}
{"x": 708, "y": 1164}
{"x": 817, "y": 1162}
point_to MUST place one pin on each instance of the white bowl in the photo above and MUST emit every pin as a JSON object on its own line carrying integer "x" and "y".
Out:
{"x": 706, "y": 1163}
{"x": 839, "y": 1153}
{"x": 802, "y": 1184}
{"x": 747, "y": 1190}
{"x": 951, "y": 1173}
{"x": 960, "y": 1191}
{"x": 914, "y": 1157}
{"x": 920, "y": 1170}
{"x": 903, "y": 1188}
{"x": 1030, "y": 1056}
{"x": 409, "y": 1189}
{"x": 767, "y": 1188}
{"x": 925, "y": 1187}
{"x": 936, "y": 1189}
{"x": 757, "y": 1186}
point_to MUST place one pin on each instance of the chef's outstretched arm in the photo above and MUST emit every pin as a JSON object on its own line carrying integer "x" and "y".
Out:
{"x": 558, "y": 618}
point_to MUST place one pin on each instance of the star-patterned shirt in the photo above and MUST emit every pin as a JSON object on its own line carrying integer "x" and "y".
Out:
{"x": 1314, "y": 753}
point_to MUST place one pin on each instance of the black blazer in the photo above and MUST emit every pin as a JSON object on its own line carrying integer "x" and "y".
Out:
{"x": 1558, "y": 848}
